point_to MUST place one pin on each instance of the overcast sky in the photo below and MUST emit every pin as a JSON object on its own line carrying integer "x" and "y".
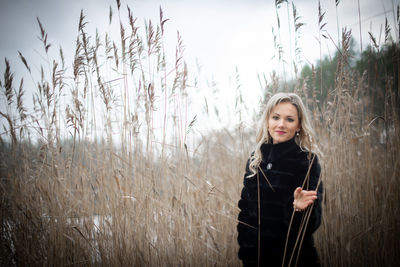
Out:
{"x": 221, "y": 35}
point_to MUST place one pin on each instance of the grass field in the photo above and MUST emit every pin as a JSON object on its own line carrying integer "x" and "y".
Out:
{"x": 105, "y": 169}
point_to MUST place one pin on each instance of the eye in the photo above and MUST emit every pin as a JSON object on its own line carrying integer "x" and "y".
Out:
{"x": 275, "y": 117}
{"x": 290, "y": 120}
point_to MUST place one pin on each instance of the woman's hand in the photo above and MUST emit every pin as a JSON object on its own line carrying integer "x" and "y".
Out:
{"x": 303, "y": 198}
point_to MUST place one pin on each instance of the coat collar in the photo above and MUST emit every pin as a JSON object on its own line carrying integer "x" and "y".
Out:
{"x": 273, "y": 152}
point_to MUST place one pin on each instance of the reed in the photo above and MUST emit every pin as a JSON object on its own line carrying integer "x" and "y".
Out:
{"x": 98, "y": 183}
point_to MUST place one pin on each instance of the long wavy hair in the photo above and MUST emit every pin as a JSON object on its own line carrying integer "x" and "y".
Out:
{"x": 306, "y": 139}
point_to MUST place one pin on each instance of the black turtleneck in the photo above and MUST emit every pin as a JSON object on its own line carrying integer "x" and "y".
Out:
{"x": 283, "y": 168}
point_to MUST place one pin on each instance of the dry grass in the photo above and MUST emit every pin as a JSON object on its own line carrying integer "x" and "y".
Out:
{"x": 130, "y": 195}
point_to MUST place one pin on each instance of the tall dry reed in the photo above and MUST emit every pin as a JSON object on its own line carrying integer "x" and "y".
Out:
{"x": 90, "y": 180}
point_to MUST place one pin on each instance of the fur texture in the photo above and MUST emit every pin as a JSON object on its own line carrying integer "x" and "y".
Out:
{"x": 284, "y": 167}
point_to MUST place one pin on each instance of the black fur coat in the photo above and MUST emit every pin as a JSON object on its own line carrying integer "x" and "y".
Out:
{"x": 284, "y": 167}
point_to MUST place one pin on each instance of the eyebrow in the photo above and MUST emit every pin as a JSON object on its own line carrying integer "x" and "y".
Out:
{"x": 289, "y": 116}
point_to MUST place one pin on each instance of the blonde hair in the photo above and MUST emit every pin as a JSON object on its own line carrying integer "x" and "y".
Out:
{"x": 306, "y": 139}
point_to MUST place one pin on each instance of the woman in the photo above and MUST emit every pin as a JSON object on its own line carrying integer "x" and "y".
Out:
{"x": 281, "y": 199}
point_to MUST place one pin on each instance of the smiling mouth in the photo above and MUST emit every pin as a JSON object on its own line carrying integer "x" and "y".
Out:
{"x": 280, "y": 132}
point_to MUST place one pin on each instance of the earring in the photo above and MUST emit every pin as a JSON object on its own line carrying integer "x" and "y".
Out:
{"x": 297, "y": 134}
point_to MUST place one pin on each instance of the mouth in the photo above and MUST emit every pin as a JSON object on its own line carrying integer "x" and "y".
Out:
{"x": 280, "y": 132}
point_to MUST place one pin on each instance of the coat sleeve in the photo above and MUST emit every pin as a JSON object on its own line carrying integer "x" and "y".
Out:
{"x": 247, "y": 219}
{"x": 313, "y": 183}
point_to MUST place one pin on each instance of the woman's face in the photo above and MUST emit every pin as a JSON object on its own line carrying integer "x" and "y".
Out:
{"x": 283, "y": 122}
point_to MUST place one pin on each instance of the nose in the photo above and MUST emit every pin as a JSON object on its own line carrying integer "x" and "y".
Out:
{"x": 281, "y": 123}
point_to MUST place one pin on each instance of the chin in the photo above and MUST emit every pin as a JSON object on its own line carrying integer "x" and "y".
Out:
{"x": 280, "y": 140}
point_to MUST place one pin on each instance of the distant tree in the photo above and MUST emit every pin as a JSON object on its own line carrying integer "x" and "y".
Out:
{"x": 321, "y": 77}
{"x": 381, "y": 67}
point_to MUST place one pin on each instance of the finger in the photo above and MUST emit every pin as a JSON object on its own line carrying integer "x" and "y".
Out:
{"x": 310, "y": 197}
{"x": 309, "y": 193}
{"x": 297, "y": 192}
{"x": 307, "y": 202}
{"x": 304, "y": 203}
{"x": 304, "y": 197}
